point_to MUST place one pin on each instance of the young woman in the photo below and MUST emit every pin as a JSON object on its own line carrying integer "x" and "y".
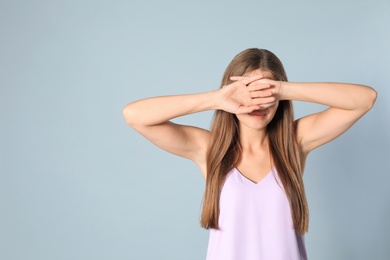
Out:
{"x": 254, "y": 155}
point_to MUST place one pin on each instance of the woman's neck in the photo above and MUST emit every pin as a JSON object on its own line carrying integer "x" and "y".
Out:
{"x": 253, "y": 139}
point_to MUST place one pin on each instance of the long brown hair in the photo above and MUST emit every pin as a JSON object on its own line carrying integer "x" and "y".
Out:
{"x": 225, "y": 150}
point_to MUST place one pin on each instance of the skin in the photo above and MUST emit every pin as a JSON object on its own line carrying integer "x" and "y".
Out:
{"x": 256, "y": 160}
{"x": 253, "y": 98}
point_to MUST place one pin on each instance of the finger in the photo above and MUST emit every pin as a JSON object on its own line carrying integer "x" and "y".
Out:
{"x": 263, "y": 101}
{"x": 246, "y": 110}
{"x": 251, "y": 79}
{"x": 261, "y": 93}
{"x": 261, "y": 81}
{"x": 264, "y": 106}
{"x": 246, "y": 80}
{"x": 246, "y": 100}
{"x": 257, "y": 87}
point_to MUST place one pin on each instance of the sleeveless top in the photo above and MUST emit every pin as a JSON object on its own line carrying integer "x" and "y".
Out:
{"x": 255, "y": 222}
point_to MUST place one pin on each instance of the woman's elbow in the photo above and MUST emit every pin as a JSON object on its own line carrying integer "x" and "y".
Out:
{"x": 130, "y": 115}
{"x": 371, "y": 98}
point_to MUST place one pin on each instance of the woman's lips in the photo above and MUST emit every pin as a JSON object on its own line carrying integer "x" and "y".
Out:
{"x": 257, "y": 113}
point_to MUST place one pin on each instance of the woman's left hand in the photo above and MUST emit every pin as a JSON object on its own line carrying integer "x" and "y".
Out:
{"x": 276, "y": 87}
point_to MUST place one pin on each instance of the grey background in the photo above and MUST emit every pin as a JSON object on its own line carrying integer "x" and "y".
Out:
{"x": 77, "y": 183}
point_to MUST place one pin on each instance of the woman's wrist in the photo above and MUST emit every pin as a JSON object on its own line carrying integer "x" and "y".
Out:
{"x": 281, "y": 90}
{"x": 217, "y": 99}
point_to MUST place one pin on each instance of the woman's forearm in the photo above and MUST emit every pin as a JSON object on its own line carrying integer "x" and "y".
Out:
{"x": 339, "y": 95}
{"x": 233, "y": 98}
{"x": 157, "y": 110}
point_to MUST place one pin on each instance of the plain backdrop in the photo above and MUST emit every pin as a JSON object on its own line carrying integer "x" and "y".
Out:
{"x": 77, "y": 183}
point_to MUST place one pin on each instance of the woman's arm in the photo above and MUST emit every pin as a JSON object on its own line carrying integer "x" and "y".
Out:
{"x": 347, "y": 103}
{"x": 151, "y": 117}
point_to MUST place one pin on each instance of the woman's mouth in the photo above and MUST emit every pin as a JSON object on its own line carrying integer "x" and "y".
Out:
{"x": 258, "y": 113}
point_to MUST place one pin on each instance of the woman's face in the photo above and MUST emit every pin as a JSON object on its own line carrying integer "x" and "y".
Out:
{"x": 258, "y": 119}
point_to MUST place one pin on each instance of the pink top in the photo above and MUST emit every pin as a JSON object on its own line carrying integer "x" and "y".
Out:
{"x": 255, "y": 222}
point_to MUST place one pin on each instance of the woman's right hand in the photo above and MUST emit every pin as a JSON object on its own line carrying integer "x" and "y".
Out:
{"x": 242, "y": 97}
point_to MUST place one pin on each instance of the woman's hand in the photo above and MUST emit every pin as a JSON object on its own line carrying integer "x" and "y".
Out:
{"x": 247, "y": 94}
{"x": 276, "y": 86}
